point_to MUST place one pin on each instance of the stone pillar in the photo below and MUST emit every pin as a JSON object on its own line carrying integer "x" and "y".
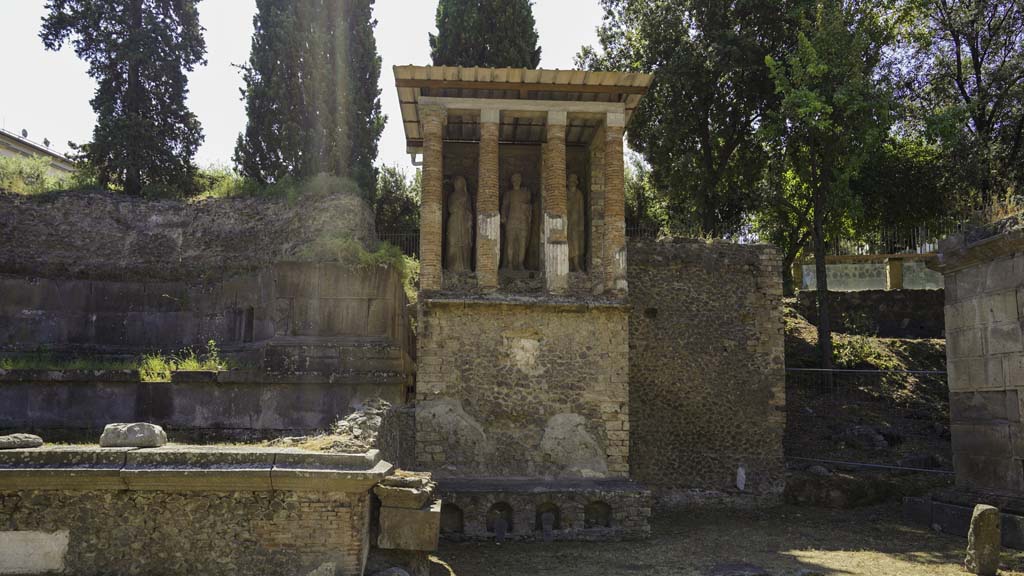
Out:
{"x": 614, "y": 204}
{"x": 432, "y": 204}
{"x": 555, "y": 225}
{"x": 488, "y": 225}
{"x": 893, "y": 274}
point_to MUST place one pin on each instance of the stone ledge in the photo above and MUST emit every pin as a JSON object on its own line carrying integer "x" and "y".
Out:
{"x": 193, "y": 468}
{"x": 564, "y": 303}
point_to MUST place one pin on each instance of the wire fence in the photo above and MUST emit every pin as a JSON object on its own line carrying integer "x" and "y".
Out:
{"x": 407, "y": 241}
{"x": 868, "y": 418}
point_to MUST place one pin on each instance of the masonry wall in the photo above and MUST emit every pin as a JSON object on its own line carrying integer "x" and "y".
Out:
{"x": 154, "y": 532}
{"x": 984, "y": 280}
{"x": 522, "y": 388}
{"x": 706, "y": 369}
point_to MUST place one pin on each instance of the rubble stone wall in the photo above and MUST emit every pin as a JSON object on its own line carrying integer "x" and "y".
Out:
{"x": 522, "y": 387}
{"x": 155, "y": 532}
{"x": 706, "y": 369}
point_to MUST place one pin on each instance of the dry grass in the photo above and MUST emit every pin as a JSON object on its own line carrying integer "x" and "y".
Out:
{"x": 785, "y": 541}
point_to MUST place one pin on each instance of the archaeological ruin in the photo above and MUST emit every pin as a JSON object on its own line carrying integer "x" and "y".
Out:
{"x": 552, "y": 380}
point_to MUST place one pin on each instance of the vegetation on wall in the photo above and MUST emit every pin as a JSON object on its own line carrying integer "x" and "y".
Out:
{"x": 139, "y": 52}
{"x": 311, "y": 92}
{"x": 486, "y": 33}
{"x": 153, "y": 367}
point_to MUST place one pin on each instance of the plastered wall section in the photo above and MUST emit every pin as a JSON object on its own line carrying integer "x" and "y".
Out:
{"x": 514, "y": 389}
{"x": 985, "y": 362}
{"x": 706, "y": 368}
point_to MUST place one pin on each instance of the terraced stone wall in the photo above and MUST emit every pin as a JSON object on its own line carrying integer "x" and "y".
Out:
{"x": 706, "y": 369}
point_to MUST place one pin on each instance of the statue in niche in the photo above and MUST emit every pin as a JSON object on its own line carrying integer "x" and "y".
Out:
{"x": 459, "y": 247}
{"x": 576, "y": 207}
{"x": 516, "y": 213}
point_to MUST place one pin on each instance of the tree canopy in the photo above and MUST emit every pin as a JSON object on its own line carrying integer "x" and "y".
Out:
{"x": 139, "y": 52}
{"x": 489, "y": 33}
{"x": 311, "y": 92}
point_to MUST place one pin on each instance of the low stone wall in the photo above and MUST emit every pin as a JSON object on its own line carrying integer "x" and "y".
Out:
{"x": 706, "y": 370}
{"x": 852, "y": 277}
{"x": 285, "y": 302}
{"x": 175, "y": 510}
{"x": 516, "y": 386}
{"x": 582, "y": 510}
{"x": 76, "y": 405}
{"x": 883, "y": 313}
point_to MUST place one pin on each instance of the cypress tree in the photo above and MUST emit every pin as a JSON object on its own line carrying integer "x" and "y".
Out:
{"x": 311, "y": 92}
{"x": 138, "y": 51}
{"x": 489, "y": 33}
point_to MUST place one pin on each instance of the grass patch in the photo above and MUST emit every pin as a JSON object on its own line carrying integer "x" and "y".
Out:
{"x": 154, "y": 367}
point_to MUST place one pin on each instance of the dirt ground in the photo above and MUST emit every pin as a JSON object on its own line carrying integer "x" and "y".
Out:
{"x": 785, "y": 541}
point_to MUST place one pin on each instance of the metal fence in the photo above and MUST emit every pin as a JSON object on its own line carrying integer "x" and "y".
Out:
{"x": 868, "y": 418}
{"x": 407, "y": 241}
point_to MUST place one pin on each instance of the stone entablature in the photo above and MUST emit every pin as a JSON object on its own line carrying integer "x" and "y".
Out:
{"x": 189, "y": 510}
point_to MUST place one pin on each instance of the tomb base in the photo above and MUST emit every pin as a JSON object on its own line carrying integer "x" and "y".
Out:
{"x": 949, "y": 511}
{"x": 581, "y": 510}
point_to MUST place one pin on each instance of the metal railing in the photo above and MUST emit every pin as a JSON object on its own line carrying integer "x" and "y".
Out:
{"x": 889, "y": 419}
{"x": 407, "y": 241}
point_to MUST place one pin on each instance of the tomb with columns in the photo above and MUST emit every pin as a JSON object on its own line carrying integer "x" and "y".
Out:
{"x": 522, "y": 354}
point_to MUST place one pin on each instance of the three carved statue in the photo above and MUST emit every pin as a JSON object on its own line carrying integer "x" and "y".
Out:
{"x": 517, "y": 218}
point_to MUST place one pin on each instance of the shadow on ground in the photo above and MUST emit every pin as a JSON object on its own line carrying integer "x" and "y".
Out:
{"x": 783, "y": 541}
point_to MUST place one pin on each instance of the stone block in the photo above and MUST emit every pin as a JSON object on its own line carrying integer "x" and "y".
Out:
{"x": 917, "y": 511}
{"x": 1001, "y": 307}
{"x": 986, "y": 439}
{"x": 1001, "y": 275}
{"x": 967, "y": 343}
{"x": 971, "y": 282}
{"x": 1013, "y": 370}
{"x": 33, "y": 552}
{"x": 134, "y": 435}
{"x": 381, "y": 315}
{"x": 1013, "y": 531}
{"x": 296, "y": 280}
{"x": 401, "y": 497}
{"x": 343, "y": 281}
{"x": 983, "y": 472}
{"x": 14, "y": 441}
{"x": 407, "y": 529}
{"x": 343, "y": 317}
{"x": 951, "y": 518}
{"x": 1004, "y": 337}
{"x": 954, "y": 319}
{"x": 305, "y": 317}
{"x": 970, "y": 407}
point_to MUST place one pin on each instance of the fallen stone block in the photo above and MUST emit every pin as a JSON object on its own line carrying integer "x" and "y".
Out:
{"x": 16, "y": 441}
{"x": 407, "y": 529}
{"x": 134, "y": 435}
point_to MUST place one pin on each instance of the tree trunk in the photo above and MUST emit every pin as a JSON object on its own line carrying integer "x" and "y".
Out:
{"x": 821, "y": 279}
{"x": 133, "y": 99}
{"x": 788, "y": 281}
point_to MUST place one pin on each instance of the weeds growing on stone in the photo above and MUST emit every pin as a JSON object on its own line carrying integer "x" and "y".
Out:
{"x": 154, "y": 367}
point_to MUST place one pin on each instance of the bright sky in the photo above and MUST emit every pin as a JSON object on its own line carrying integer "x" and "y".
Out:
{"x": 48, "y": 93}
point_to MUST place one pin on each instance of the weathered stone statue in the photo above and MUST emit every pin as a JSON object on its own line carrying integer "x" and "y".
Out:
{"x": 459, "y": 247}
{"x": 516, "y": 213}
{"x": 577, "y": 224}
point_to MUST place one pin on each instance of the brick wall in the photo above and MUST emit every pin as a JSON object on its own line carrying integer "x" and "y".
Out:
{"x": 522, "y": 388}
{"x": 706, "y": 368}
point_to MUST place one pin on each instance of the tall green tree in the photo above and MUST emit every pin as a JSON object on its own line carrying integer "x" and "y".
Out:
{"x": 396, "y": 201}
{"x": 139, "y": 52}
{"x": 969, "y": 85}
{"x": 699, "y": 125}
{"x": 836, "y": 112}
{"x": 311, "y": 92}
{"x": 488, "y": 33}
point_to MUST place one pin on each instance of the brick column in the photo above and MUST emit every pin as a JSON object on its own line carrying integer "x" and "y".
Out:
{"x": 488, "y": 225}
{"x": 432, "y": 203}
{"x": 614, "y": 204}
{"x": 555, "y": 225}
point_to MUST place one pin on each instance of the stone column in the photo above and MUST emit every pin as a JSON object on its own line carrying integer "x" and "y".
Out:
{"x": 488, "y": 225}
{"x": 614, "y": 204}
{"x": 555, "y": 225}
{"x": 432, "y": 204}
